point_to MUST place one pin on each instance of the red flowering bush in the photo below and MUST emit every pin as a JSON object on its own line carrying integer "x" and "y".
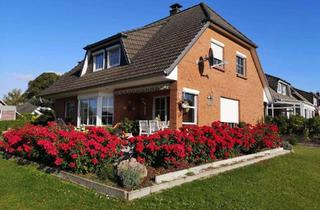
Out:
{"x": 196, "y": 144}
{"x": 68, "y": 149}
{"x": 86, "y": 151}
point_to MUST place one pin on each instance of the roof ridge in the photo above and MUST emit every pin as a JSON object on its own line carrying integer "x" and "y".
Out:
{"x": 205, "y": 7}
{"x": 142, "y": 27}
{"x": 278, "y": 78}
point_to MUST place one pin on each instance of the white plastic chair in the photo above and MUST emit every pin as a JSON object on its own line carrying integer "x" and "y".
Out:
{"x": 144, "y": 128}
{"x": 154, "y": 126}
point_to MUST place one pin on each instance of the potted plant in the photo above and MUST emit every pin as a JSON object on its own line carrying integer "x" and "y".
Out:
{"x": 184, "y": 105}
{"x": 126, "y": 127}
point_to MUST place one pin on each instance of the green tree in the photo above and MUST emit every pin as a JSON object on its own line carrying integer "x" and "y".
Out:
{"x": 39, "y": 84}
{"x": 14, "y": 97}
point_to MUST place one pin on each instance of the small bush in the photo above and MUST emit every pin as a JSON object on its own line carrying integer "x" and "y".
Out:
{"x": 313, "y": 124}
{"x": 106, "y": 171}
{"x": 129, "y": 126}
{"x": 296, "y": 125}
{"x": 130, "y": 178}
{"x": 287, "y": 146}
{"x": 19, "y": 122}
{"x": 293, "y": 140}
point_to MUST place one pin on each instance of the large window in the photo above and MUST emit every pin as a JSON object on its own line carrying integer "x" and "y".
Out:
{"x": 107, "y": 111}
{"x": 88, "y": 111}
{"x": 98, "y": 61}
{"x": 217, "y": 50}
{"x": 161, "y": 108}
{"x": 113, "y": 55}
{"x": 241, "y": 65}
{"x": 189, "y": 108}
{"x": 70, "y": 111}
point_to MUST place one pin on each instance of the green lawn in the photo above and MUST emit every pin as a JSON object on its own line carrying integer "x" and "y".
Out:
{"x": 287, "y": 182}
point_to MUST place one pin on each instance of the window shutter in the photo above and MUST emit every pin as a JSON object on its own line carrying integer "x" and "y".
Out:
{"x": 217, "y": 51}
{"x": 229, "y": 110}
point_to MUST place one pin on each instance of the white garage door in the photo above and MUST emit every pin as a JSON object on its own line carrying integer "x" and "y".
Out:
{"x": 229, "y": 110}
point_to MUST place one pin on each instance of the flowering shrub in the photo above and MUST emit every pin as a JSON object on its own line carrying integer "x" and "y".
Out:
{"x": 68, "y": 149}
{"x": 85, "y": 151}
{"x": 196, "y": 144}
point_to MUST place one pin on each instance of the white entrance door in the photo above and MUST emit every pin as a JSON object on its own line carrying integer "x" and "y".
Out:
{"x": 229, "y": 110}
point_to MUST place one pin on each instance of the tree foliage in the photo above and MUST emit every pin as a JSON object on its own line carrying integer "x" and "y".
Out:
{"x": 40, "y": 83}
{"x": 14, "y": 97}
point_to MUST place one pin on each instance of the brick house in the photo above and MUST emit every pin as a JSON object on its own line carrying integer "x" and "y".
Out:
{"x": 288, "y": 100}
{"x": 192, "y": 67}
{"x": 7, "y": 112}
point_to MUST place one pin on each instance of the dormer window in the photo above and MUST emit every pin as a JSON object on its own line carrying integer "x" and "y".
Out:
{"x": 98, "y": 60}
{"x": 315, "y": 101}
{"x": 282, "y": 88}
{"x": 113, "y": 56}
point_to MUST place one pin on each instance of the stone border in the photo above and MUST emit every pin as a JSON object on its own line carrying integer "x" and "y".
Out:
{"x": 169, "y": 180}
{"x": 198, "y": 169}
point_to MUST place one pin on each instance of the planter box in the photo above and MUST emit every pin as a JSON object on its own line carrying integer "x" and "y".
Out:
{"x": 198, "y": 169}
{"x": 169, "y": 180}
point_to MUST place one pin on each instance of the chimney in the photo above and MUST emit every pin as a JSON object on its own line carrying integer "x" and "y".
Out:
{"x": 175, "y": 8}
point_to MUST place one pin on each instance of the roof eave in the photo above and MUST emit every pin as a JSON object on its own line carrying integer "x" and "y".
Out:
{"x": 111, "y": 38}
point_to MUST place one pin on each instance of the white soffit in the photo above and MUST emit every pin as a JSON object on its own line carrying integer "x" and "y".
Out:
{"x": 174, "y": 74}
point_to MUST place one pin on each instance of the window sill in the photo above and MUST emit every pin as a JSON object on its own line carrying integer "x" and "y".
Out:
{"x": 186, "y": 123}
{"x": 218, "y": 68}
{"x": 242, "y": 76}
{"x": 95, "y": 70}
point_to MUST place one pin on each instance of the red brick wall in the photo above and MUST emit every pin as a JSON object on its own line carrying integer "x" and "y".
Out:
{"x": 217, "y": 83}
{"x": 59, "y": 107}
{"x": 132, "y": 105}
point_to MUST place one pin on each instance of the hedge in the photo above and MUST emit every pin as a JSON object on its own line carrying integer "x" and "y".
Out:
{"x": 21, "y": 121}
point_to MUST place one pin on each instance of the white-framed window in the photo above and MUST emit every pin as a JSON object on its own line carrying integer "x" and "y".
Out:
{"x": 98, "y": 60}
{"x": 190, "y": 110}
{"x": 107, "y": 110}
{"x": 161, "y": 107}
{"x": 0, "y": 114}
{"x": 113, "y": 56}
{"x": 241, "y": 64}
{"x": 88, "y": 111}
{"x": 217, "y": 50}
{"x": 282, "y": 88}
{"x": 315, "y": 101}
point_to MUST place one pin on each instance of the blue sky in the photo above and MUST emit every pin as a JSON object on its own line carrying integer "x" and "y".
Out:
{"x": 38, "y": 35}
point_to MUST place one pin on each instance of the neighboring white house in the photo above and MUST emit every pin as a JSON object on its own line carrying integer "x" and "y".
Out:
{"x": 7, "y": 112}
{"x": 287, "y": 100}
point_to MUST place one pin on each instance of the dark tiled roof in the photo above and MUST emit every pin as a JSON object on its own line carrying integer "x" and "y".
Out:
{"x": 151, "y": 49}
{"x": 26, "y": 108}
{"x": 307, "y": 95}
{"x": 293, "y": 96}
{"x": 220, "y": 21}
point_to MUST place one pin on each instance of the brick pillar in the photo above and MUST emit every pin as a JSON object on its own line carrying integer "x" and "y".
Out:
{"x": 174, "y": 107}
